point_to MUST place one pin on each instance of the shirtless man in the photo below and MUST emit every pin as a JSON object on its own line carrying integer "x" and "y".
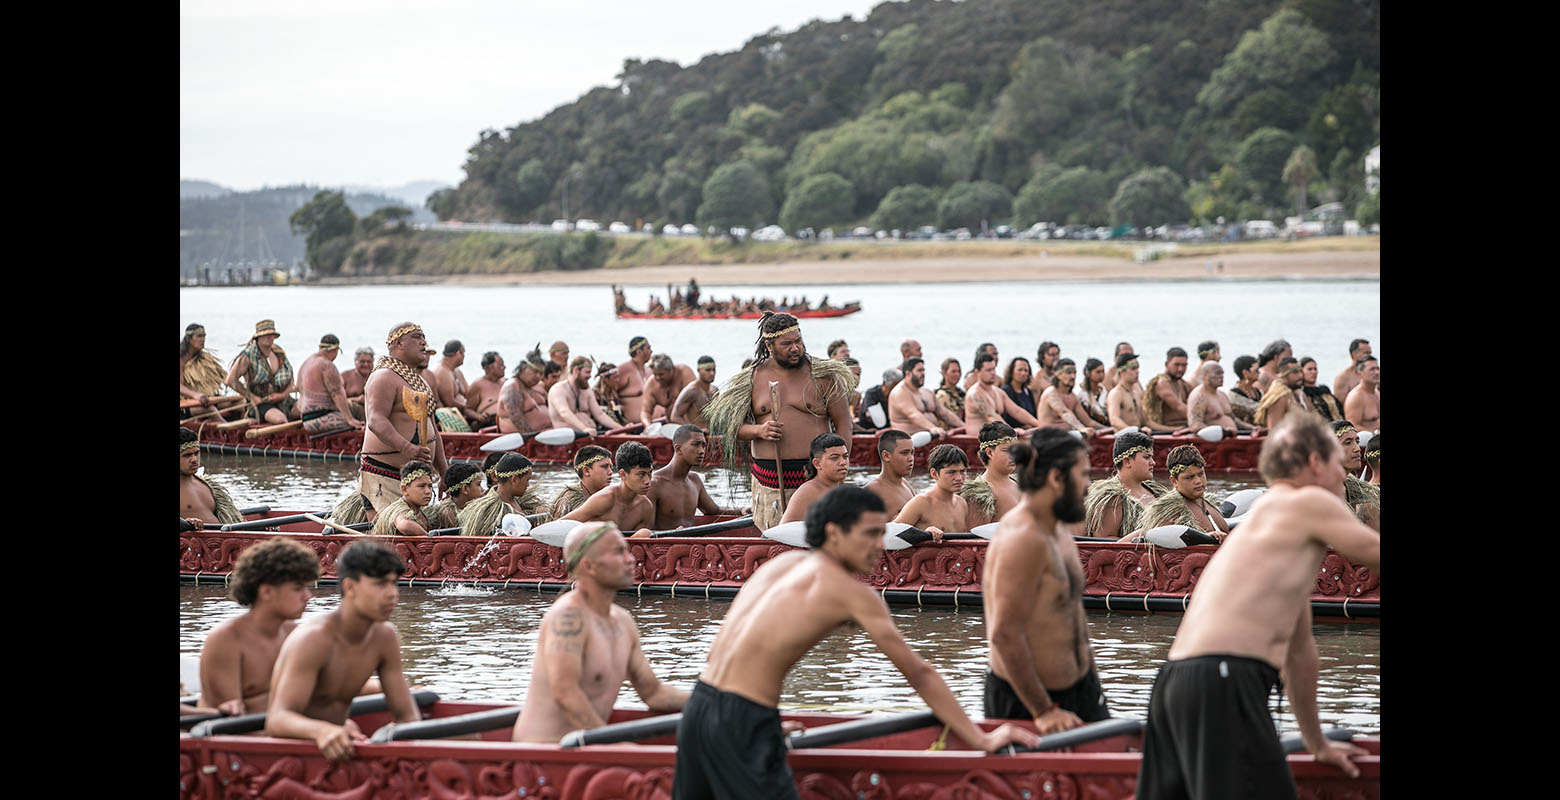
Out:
{"x": 322, "y": 404}
{"x": 813, "y": 396}
{"x": 522, "y": 405}
{"x": 828, "y": 468}
{"x": 992, "y": 495}
{"x": 399, "y": 405}
{"x": 1114, "y": 507}
{"x": 551, "y": 375}
{"x": 1110, "y": 373}
{"x": 973, "y": 376}
{"x": 676, "y": 491}
{"x": 624, "y": 503}
{"x": 1348, "y": 378}
{"x": 986, "y": 402}
{"x": 630, "y": 379}
{"x": 897, "y": 456}
{"x": 572, "y": 404}
{"x": 1269, "y": 361}
{"x": 588, "y": 644}
{"x": 1281, "y": 396}
{"x": 201, "y": 500}
{"x": 1042, "y": 667}
{"x": 482, "y": 396}
{"x": 1046, "y": 358}
{"x": 558, "y": 353}
{"x": 1124, "y": 403}
{"x": 839, "y": 350}
{"x": 689, "y": 408}
{"x": 1209, "y": 405}
{"x": 326, "y": 660}
{"x": 353, "y": 380}
{"x": 913, "y": 408}
{"x": 1250, "y": 618}
{"x": 273, "y": 579}
{"x": 449, "y": 385}
{"x": 593, "y": 466}
{"x": 940, "y": 509}
{"x": 661, "y": 392}
{"x": 1185, "y": 503}
{"x": 1207, "y": 352}
{"x": 908, "y": 349}
{"x": 1164, "y": 398}
{"x": 1363, "y": 406}
{"x": 1058, "y": 406}
{"x": 729, "y": 743}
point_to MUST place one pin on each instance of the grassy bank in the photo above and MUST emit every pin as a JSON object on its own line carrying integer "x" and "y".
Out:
{"x": 443, "y": 253}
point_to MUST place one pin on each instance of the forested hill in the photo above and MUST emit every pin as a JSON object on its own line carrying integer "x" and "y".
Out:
{"x": 1042, "y": 109}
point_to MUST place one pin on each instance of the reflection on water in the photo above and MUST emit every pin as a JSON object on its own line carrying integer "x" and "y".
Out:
{"x": 478, "y": 644}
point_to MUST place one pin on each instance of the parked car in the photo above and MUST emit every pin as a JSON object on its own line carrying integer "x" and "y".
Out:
{"x": 560, "y": 225}
{"x": 618, "y": 227}
{"x": 689, "y": 229}
{"x": 739, "y": 232}
{"x": 860, "y": 232}
{"x": 769, "y": 233}
{"x": 671, "y": 230}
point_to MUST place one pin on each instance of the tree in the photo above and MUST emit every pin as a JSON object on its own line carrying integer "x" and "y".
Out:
{"x": 753, "y": 120}
{"x": 1268, "y": 108}
{"x": 967, "y": 205}
{"x": 1261, "y": 158}
{"x": 1073, "y": 196}
{"x": 321, "y": 220}
{"x": 1369, "y": 211}
{"x": 1298, "y": 172}
{"x": 1347, "y": 176}
{"x": 383, "y": 217}
{"x": 736, "y": 194}
{"x": 442, "y": 203}
{"x": 906, "y": 208}
{"x": 532, "y": 184}
{"x": 1150, "y": 197}
{"x": 1285, "y": 53}
{"x": 820, "y": 201}
{"x": 1339, "y": 122}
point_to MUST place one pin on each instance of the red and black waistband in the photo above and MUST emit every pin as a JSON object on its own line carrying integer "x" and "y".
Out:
{"x": 795, "y": 470}
{"x": 374, "y": 466}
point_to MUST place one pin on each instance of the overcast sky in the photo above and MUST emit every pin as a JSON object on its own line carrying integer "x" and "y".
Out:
{"x": 384, "y": 92}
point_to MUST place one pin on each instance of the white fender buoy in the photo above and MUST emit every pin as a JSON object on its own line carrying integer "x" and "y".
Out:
{"x": 920, "y": 438}
{"x": 556, "y": 436}
{"x": 1175, "y": 537}
{"x": 1238, "y": 503}
{"x": 504, "y": 444}
{"x": 1212, "y": 433}
{"x": 554, "y": 532}
{"x": 515, "y": 525}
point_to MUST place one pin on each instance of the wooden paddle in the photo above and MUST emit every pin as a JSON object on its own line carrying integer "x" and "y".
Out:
{"x": 774, "y": 403}
{"x": 625, "y": 429}
{"x": 237, "y": 423}
{"x": 215, "y": 412}
{"x": 327, "y": 523}
{"x": 270, "y": 429}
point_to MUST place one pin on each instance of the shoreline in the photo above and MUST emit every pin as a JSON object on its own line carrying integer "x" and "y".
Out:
{"x": 1239, "y": 264}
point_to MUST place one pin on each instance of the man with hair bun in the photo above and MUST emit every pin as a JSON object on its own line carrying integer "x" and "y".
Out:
{"x": 1207, "y": 353}
{"x": 1042, "y": 667}
{"x": 940, "y": 509}
{"x": 1281, "y": 397}
{"x": 274, "y": 579}
{"x": 730, "y": 742}
{"x": 1244, "y": 396}
{"x": 1250, "y": 618}
{"x": 587, "y": 645}
{"x": 624, "y": 503}
{"x": 897, "y": 457}
{"x": 827, "y": 468}
{"x": 1184, "y": 503}
{"x": 1115, "y": 506}
{"x": 324, "y": 662}
{"x": 992, "y": 495}
{"x": 1164, "y": 398}
{"x": 1270, "y": 361}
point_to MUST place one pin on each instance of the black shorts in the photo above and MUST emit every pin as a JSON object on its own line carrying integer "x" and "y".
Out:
{"x": 1084, "y": 698}
{"x": 1209, "y": 733}
{"x": 729, "y": 747}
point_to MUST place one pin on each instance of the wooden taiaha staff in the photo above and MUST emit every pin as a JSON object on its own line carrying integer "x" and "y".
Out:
{"x": 774, "y": 405}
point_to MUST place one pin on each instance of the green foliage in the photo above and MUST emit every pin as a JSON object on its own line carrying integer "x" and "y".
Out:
{"x": 1074, "y": 196}
{"x": 906, "y": 208}
{"x": 1285, "y": 53}
{"x": 1266, "y": 108}
{"x": 532, "y": 186}
{"x": 1054, "y": 88}
{"x": 736, "y": 194}
{"x": 754, "y": 120}
{"x": 442, "y": 203}
{"x": 968, "y": 204}
{"x": 321, "y": 220}
{"x": 953, "y": 94}
{"x": 381, "y": 218}
{"x": 899, "y": 43}
{"x": 571, "y": 252}
{"x": 691, "y": 105}
{"x": 1298, "y": 172}
{"x": 1346, "y": 176}
{"x": 1261, "y": 158}
{"x": 1150, "y": 197}
{"x": 1219, "y": 196}
{"x": 1369, "y": 211}
{"x": 873, "y": 153}
{"x": 821, "y": 201}
{"x": 1339, "y": 122}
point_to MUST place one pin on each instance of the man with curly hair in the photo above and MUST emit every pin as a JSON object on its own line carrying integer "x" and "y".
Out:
{"x": 274, "y": 579}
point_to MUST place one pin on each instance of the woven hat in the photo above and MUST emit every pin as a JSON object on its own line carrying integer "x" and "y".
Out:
{"x": 264, "y": 327}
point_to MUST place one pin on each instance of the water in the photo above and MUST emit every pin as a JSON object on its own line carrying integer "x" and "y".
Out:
{"x": 1087, "y": 318}
{"x": 479, "y": 644}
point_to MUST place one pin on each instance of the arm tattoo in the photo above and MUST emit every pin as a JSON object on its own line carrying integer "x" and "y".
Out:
{"x": 512, "y": 407}
{"x": 567, "y": 629}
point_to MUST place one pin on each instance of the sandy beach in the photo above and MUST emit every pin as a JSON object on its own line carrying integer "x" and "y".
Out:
{"x": 1239, "y": 262}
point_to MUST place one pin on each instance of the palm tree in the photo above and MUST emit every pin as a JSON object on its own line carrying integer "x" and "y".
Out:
{"x": 1298, "y": 172}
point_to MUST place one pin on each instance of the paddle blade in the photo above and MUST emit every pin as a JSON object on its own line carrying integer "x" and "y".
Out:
{"x": 504, "y": 444}
{"x": 556, "y": 436}
{"x": 189, "y": 674}
{"x": 878, "y": 415}
{"x": 899, "y": 535}
{"x": 669, "y": 430}
{"x": 1365, "y": 437}
{"x": 553, "y": 533}
{"x": 985, "y": 531}
{"x": 919, "y": 438}
{"x": 515, "y": 525}
{"x": 1076, "y": 435}
{"x": 1174, "y": 537}
{"x": 791, "y": 533}
{"x": 1238, "y": 503}
{"x": 1212, "y": 433}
